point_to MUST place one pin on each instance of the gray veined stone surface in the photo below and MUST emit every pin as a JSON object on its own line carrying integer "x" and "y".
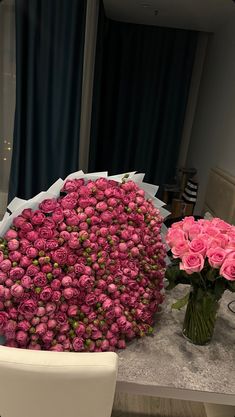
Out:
{"x": 168, "y": 360}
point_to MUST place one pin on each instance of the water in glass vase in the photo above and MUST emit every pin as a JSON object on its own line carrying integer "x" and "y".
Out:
{"x": 200, "y": 316}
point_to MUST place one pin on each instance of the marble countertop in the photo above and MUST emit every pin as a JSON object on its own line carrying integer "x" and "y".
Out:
{"x": 167, "y": 365}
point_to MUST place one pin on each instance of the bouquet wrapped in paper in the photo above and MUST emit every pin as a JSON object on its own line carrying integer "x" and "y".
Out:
{"x": 82, "y": 264}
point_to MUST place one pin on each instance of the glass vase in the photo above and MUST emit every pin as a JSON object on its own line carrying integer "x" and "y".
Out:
{"x": 200, "y": 316}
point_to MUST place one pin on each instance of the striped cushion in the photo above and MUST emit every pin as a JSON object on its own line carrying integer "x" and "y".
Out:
{"x": 190, "y": 192}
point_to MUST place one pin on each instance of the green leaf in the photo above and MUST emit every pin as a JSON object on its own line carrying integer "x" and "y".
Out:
{"x": 181, "y": 303}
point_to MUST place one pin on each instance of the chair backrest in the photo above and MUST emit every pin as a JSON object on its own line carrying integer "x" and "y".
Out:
{"x": 56, "y": 384}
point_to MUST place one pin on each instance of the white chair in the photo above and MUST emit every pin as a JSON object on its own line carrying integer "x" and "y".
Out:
{"x": 56, "y": 384}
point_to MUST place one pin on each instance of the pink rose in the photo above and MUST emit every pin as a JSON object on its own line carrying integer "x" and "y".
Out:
{"x": 48, "y": 205}
{"x": 192, "y": 262}
{"x": 216, "y": 257}
{"x": 230, "y": 255}
{"x": 186, "y": 223}
{"x": 194, "y": 231}
{"x": 173, "y": 236}
{"x": 198, "y": 245}
{"x": 227, "y": 269}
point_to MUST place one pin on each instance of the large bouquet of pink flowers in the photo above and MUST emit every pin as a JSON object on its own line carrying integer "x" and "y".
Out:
{"x": 82, "y": 270}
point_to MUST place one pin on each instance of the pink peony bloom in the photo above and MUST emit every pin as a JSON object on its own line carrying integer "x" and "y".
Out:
{"x": 78, "y": 344}
{"x": 5, "y": 265}
{"x": 27, "y": 308}
{"x": 11, "y": 234}
{"x": 13, "y": 244}
{"x": 17, "y": 291}
{"x": 48, "y": 205}
{"x": 3, "y": 321}
{"x": 21, "y": 337}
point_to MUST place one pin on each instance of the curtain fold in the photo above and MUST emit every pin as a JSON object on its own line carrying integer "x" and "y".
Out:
{"x": 49, "y": 61}
{"x": 142, "y": 79}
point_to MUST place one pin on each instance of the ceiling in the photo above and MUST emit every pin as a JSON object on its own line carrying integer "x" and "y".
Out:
{"x": 204, "y": 15}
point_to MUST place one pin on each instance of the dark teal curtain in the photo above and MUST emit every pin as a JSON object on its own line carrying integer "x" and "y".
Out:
{"x": 49, "y": 58}
{"x": 142, "y": 78}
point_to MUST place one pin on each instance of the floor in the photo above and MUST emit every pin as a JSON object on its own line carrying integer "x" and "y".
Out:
{"x": 126, "y": 405}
